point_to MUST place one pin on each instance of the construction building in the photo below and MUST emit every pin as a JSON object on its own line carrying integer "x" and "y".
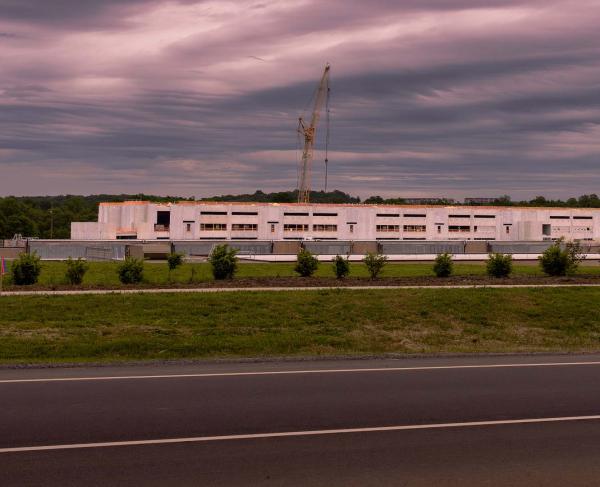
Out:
{"x": 188, "y": 220}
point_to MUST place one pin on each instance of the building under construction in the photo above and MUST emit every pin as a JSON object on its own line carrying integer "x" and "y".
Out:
{"x": 189, "y": 220}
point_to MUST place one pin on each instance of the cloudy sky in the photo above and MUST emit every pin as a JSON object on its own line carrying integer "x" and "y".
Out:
{"x": 429, "y": 97}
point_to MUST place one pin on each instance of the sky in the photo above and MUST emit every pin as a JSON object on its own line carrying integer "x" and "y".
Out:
{"x": 454, "y": 98}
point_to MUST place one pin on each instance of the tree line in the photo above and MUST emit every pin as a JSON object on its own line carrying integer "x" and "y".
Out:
{"x": 51, "y": 216}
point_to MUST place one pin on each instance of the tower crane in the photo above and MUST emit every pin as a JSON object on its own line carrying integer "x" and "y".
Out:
{"x": 309, "y": 131}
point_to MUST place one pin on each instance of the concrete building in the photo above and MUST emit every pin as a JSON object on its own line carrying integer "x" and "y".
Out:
{"x": 191, "y": 220}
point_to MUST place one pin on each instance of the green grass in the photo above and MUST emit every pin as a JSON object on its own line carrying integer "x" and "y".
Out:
{"x": 104, "y": 274}
{"x": 256, "y": 324}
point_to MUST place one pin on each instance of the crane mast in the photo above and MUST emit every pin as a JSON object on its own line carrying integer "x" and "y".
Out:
{"x": 309, "y": 132}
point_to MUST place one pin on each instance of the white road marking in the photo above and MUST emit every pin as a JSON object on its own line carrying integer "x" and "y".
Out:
{"x": 202, "y": 439}
{"x": 296, "y": 372}
{"x": 277, "y": 289}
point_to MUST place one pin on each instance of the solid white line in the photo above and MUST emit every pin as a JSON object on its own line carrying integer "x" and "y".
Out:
{"x": 277, "y": 289}
{"x": 296, "y": 372}
{"x": 202, "y": 439}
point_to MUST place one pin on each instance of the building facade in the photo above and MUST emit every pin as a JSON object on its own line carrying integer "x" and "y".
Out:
{"x": 187, "y": 220}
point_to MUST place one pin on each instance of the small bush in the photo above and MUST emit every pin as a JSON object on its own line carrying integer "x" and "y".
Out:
{"x": 131, "y": 270}
{"x": 223, "y": 260}
{"x": 341, "y": 266}
{"x": 26, "y": 269}
{"x": 499, "y": 265}
{"x": 306, "y": 263}
{"x": 76, "y": 269}
{"x": 375, "y": 263}
{"x": 559, "y": 261}
{"x": 174, "y": 260}
{"x": 443, "y": 265}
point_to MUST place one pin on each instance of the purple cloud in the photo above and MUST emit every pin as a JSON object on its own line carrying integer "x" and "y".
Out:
{"x": 429, "y": 97}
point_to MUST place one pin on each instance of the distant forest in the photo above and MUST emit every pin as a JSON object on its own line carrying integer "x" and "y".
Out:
{"x": 51, "y": 216}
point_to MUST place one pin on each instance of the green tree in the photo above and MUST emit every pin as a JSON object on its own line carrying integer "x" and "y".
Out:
{"x": 223, "y": 261}
{"x": 443, "y": 265}
{"x": 341, "y": 266}
{"x": 76, "y": 269}
{"x": 174, "y": 260}
{"x": 306, "y": 263}
{"x": 499, "y": 265}
{"x": 26, "y": 269}
{"x": 561, "y": 259}
{"x": 131, "y": 270}
{"x": 374, "y": 200}
{"x": 375, "y": 263}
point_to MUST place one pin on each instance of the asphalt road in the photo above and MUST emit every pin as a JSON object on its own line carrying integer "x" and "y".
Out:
{"x": 287, "y": 423}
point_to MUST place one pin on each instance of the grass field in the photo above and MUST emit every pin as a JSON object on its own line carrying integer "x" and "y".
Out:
{"x": 104, "y": 274}
{"x": 258, "y": 324}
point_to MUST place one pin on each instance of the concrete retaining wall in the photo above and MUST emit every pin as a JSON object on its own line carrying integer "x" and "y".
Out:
{"x": 329, "y": 248}
{"x": 475, "y": 247}
{"x": 11, "y": 252}
{"x": 422, "y": 247}
{"x": 92, "y": 250}
{"x": 286, "y": 247}
{"x": 361, "y": 248}
{"x": 203, "y": 248}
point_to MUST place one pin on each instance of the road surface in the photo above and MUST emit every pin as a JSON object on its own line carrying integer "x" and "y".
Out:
{"x": 461, "y": 421}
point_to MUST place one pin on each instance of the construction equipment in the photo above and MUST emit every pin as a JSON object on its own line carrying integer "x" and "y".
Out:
{"x": 309, "y": 132}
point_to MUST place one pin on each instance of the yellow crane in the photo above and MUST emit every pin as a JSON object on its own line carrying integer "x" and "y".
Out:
{"x": 309, "y": 132}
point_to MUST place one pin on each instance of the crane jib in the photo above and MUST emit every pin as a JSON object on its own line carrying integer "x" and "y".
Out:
{"x": 309, "y": 133}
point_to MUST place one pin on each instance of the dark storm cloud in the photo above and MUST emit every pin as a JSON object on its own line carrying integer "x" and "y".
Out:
{"x": 455, "y": 98}
{"x": 72, "y": 14}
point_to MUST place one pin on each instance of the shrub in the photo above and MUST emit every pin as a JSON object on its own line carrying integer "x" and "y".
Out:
{"x": 306, "y": 263}
{"x": 174, "y": 260}
{"x": 341, "y": 266}
{"x": 559, "y": 261}
{"x": 499, "y": 265}
{"x": 26, "y": 269}
{"x": 223, "y": 261}
{"x": 76, "y": 269}
{"x": 131, "y": 270}
{"x": 375, "y": 263}
{"x": 443, "y": 265}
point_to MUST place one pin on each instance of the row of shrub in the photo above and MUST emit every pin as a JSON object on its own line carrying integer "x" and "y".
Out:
{"x": 558, "y": 260}
{"x": 497, "y": 265}
{"x": 27, "y": 268}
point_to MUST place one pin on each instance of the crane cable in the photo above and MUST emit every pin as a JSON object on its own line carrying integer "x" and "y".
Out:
{"x": 327, "y": 133}
{"x": 298, "y": 158}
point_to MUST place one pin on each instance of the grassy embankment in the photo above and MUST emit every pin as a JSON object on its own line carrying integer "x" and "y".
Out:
{"x": 333, "y": 322}
{"x": 104, "y": 274}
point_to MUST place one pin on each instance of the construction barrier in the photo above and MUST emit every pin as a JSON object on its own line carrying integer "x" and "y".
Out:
{"x": 203, "y": 248}
{"x": 328, "y": 247}
{"x": 422, "y": 247}
{"x": 106, "y": 250}
{"x": 63, "y": 249}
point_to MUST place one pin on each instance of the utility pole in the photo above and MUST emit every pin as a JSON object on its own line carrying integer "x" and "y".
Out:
{"x": 51, "y": 221}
